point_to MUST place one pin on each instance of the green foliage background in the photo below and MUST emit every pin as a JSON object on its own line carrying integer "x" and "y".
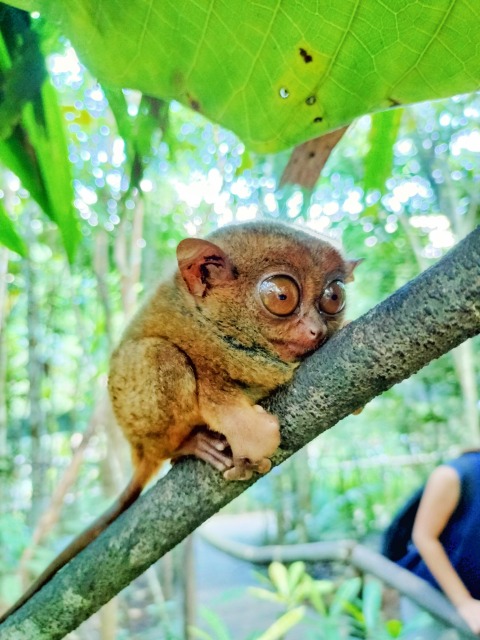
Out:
{"x": 98, "y": 184}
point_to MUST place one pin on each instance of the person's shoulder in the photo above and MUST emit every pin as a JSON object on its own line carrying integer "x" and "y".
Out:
{"x": 443, "y": 477}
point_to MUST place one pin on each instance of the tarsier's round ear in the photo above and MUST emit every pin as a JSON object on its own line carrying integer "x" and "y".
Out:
{"x": 202, "y": 264}
{"x": 351, "y": 265}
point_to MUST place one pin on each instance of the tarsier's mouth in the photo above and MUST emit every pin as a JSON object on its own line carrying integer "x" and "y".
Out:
{"x": 294, "y": 351}
{"x": 312, "y": 351}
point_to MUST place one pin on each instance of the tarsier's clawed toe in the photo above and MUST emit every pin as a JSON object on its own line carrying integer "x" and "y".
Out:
{"x": 244, "y": 468}
{"x": 238, "y": 473}
{"x": 264, "y": 466}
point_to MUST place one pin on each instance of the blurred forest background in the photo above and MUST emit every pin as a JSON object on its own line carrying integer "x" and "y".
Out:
{"x": 400, "y": 189}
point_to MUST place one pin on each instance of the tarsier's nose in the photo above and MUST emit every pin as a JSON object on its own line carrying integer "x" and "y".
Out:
{"x": 313, "y": 328}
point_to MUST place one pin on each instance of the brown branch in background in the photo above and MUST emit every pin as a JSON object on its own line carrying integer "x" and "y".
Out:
{"x": 365, "y": 560}
{"x": 100, "y": 268}
{"x": 3, "y": 286}
{"x": 128, "y": 256}
{"x": 35, "y": 371}
{"x": 308, "y": 159}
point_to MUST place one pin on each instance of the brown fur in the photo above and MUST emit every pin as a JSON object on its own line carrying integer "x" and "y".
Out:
{"x": 203, "y": 350}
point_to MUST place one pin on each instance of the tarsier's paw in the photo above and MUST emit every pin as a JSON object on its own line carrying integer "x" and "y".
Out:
{"x": 268, "y": 430}
{"x": 244, "y": 468}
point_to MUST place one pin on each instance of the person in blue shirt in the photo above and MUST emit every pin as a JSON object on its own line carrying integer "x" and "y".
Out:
{"x": 446, "y": 535}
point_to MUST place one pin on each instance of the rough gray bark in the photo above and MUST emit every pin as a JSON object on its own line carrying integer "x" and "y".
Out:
{"x": 424, "y": 319}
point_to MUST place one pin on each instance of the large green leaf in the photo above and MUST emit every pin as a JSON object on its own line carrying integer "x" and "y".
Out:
{"x": 48, "y": 138}
{"x": 278, "y": 73}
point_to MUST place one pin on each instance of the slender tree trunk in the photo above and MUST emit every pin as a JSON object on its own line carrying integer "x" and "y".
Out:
{"x": 109, "y": 620}
{"x": 100, "y": 265}
{"x": 51, "y": 515}
{"x": 189, "y": 599}
{"x": 128, "y": 257}
{"x": 464, "y": 360}
{"x": 36, "y": 418}
{"x": 3, "y": 369}
{"x": 128, "y": 254}
{"x": 111, "y": 486}
{"x": 303, "y": 482}
{"x": 167, "y": 573}
{"x": 280, "y": 507}
{"x": 461, "y": 224}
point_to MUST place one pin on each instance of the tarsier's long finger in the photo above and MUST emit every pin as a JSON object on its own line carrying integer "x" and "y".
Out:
{"x": 207, "y": 451}
{"x": 221, "y": 464}
{"x": 216, "y": 441}
{"x": 190, "y": 446}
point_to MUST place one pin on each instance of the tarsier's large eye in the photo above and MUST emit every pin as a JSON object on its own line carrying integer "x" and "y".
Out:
{"x": 280, "y": 295}
{"x": 333, "y": 298}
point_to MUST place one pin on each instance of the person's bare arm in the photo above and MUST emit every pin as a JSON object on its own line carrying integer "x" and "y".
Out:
{"x": 439, "y": 501}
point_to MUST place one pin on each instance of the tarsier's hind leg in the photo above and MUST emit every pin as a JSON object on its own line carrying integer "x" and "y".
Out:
{"x": 154, "y": 396}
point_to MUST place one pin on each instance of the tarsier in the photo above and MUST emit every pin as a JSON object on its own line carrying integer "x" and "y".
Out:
{"x": 232, "y": 324}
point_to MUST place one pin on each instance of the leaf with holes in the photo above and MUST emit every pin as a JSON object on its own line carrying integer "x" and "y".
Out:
{"x": 277, "y": 73}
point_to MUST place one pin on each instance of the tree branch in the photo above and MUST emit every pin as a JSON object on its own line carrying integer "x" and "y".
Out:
{"x": 421, "y": 321}
{"x": 359, "y": 556}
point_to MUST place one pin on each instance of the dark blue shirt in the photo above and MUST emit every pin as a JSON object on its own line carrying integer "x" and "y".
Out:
{"x": 461, "y": 536}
